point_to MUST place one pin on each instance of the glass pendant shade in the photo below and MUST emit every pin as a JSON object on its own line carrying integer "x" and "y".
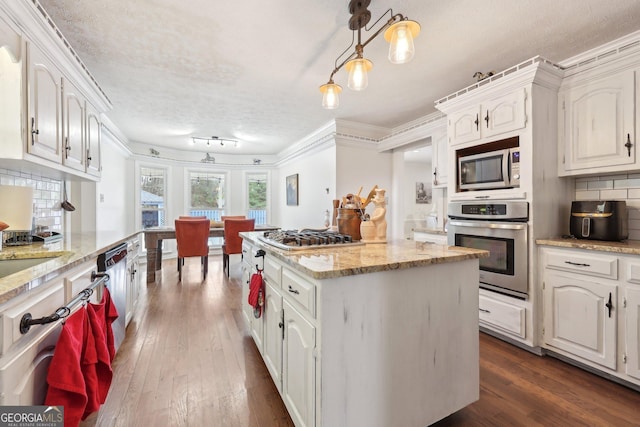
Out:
{"x": 330, "y": 95}
{"x": 400, "y": 36}
{"x": 358, "y": 69}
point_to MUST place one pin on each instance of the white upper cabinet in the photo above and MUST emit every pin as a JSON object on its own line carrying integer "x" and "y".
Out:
{"x": 50, "y": 107}
{"x": 94, "y": 127}
{"x": 44, "y": 115}
{"x": 73, "y": 128}
{"x": 495, "y": 116}
{"x": 439, "y": 167}
{"x": 597, "y": 126}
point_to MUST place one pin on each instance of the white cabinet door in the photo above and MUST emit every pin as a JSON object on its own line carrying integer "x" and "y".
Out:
{"x": 94, "y": 129}
{"x": 247, "y": 310}
{"x": 633, "y": 332}
{"x": 598, "y": 128}
{"x": 44, "y": 138}
{"x": 273, "y": 337}
{"x": 504, "y": 114}
{"x": 439, "y": 167}
{"x": 298, "y": 373}
{"x": 73, "y": 113}
{"x": 464, "y": 126}
{"x": 580, "y": 317}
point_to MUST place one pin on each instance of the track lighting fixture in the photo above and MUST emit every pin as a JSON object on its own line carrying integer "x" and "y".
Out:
{"x": 215, "y": 140}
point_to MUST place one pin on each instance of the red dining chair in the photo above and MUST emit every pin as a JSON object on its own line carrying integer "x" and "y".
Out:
{"x": 192, "y": 236}
{"x": 232, "y": 240}
{"x": 224, "y": 217}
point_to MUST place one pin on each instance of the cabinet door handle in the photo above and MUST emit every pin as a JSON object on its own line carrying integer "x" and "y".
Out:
{"x": 578, "y": 264}
{"x": 34, "y": 131}
{"x": 486, "y": 119}
{"x": 435, "y": 175}
{"x": 67, "y": 147}
{"x": 477, "y": 122}
{"x": 293, "y": 291}
{"x": 280, "y": 324}
{"x": 609, "y": 305}
{"x": 628, "y": 144}
{"x": 484, "y": 311}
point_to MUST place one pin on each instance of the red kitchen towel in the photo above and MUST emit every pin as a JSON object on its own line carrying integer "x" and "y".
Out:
{"x": 111, "y": 314}
{"x": 71, "y": 361}
{"x": 103, "y": 367}
{"x": 256, "y": 293}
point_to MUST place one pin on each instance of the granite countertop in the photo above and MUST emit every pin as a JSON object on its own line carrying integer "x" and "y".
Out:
{"x": 625, "y": 247}
{"x": 63, "y": 255}
{"x": 367, "y": 258}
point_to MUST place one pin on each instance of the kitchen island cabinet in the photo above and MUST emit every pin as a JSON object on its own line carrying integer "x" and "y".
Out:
{"x": 372, "y": 335}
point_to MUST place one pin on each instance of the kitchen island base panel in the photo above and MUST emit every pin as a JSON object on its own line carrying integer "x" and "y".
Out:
{"x": 399, "y": 347}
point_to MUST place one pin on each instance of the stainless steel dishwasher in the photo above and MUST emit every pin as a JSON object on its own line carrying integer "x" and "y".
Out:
{"x": 114, "y": 263}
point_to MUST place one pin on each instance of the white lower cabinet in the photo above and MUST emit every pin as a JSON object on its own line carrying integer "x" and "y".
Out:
{"x": 25, "y": 357}
{"x": 580, "y": 318}
{"x": 254, "y": 323}
{"x": 285, "y": 334}
{"x": 591, "y": 309}
{"x": 273, "y": 334}
{"x": 298, "y": 366}
{"x": 633, "y": 332}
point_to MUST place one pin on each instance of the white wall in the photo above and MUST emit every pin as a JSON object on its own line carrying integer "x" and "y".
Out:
{"x": 113, "y": 192}
{"x": 316, "y": 172}
{"x": 363, "y": 166}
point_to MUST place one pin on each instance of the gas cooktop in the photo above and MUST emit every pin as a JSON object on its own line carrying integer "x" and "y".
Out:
{"x": 290, "y": 240}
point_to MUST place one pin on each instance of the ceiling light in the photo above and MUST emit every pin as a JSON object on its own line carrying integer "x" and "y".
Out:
{"x": 208, "y": 158}
{"x": 215, "y": 140}
{"x": 398, "y": 31}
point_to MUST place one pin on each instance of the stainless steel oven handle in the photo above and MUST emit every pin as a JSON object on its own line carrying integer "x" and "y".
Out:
{"x": 488, "y": 224}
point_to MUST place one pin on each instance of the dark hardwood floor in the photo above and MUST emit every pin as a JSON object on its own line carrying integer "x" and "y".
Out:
{"x": 188, "y": 360}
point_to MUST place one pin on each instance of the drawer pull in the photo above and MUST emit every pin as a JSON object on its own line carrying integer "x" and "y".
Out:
{"x": 577, "y": 264}
{"x": 293, "y": 291}
{"x": 609, "y": 305}
{"x": 484, "y": 311}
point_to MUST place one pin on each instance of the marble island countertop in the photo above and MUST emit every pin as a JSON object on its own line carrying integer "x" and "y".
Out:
{"x": 367, "y": 258}
{"x": 625, "y": 247}
{"x": 60, "y": 257}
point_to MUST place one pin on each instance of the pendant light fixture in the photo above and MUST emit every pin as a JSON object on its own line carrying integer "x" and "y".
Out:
{"x": 398, "y": 31}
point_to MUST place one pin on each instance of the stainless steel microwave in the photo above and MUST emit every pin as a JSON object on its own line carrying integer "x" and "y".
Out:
{"x": 490, "y": 170}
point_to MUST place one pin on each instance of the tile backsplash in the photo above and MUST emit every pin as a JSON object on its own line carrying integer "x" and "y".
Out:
{"x": 47, "y": 194}
{"x": 614, "y": 187}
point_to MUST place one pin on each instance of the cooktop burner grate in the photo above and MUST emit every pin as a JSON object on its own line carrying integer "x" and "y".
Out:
{"x": 292, "y": 239}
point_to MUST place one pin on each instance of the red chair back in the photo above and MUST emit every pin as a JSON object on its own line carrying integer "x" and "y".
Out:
{"x": 232, "y": 241}
{"x": 192, "y": 236}
{"x": 225, "y": 217}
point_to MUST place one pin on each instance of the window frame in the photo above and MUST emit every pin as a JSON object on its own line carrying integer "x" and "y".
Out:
{"x": 247, "y": 178}
{"x": 138, "y": 199}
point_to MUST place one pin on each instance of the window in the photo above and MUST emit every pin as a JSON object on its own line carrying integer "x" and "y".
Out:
{"x": 206, "y": 194}
{"x": 152, "y": 196}
{"x": 257, "y": 194}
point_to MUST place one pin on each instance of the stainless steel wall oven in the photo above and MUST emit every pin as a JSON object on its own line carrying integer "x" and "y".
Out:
{"x": 499, "y": 227}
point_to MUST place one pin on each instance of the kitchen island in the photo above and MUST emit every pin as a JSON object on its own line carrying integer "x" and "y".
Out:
{"x": 375, "y": 335}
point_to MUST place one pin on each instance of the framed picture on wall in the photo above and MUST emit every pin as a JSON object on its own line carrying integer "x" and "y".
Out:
{"x": 292, "y": 190}
{"x": 423, "y": 193}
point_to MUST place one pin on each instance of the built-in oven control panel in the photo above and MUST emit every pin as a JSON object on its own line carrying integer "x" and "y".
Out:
{"x": 498, "y": 210}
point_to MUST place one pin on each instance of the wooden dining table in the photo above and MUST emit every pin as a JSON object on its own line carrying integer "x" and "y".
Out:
{"x": 153, "y": 237}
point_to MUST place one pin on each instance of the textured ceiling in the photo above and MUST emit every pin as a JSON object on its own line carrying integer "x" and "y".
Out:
{"x": 251, "y": 70}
